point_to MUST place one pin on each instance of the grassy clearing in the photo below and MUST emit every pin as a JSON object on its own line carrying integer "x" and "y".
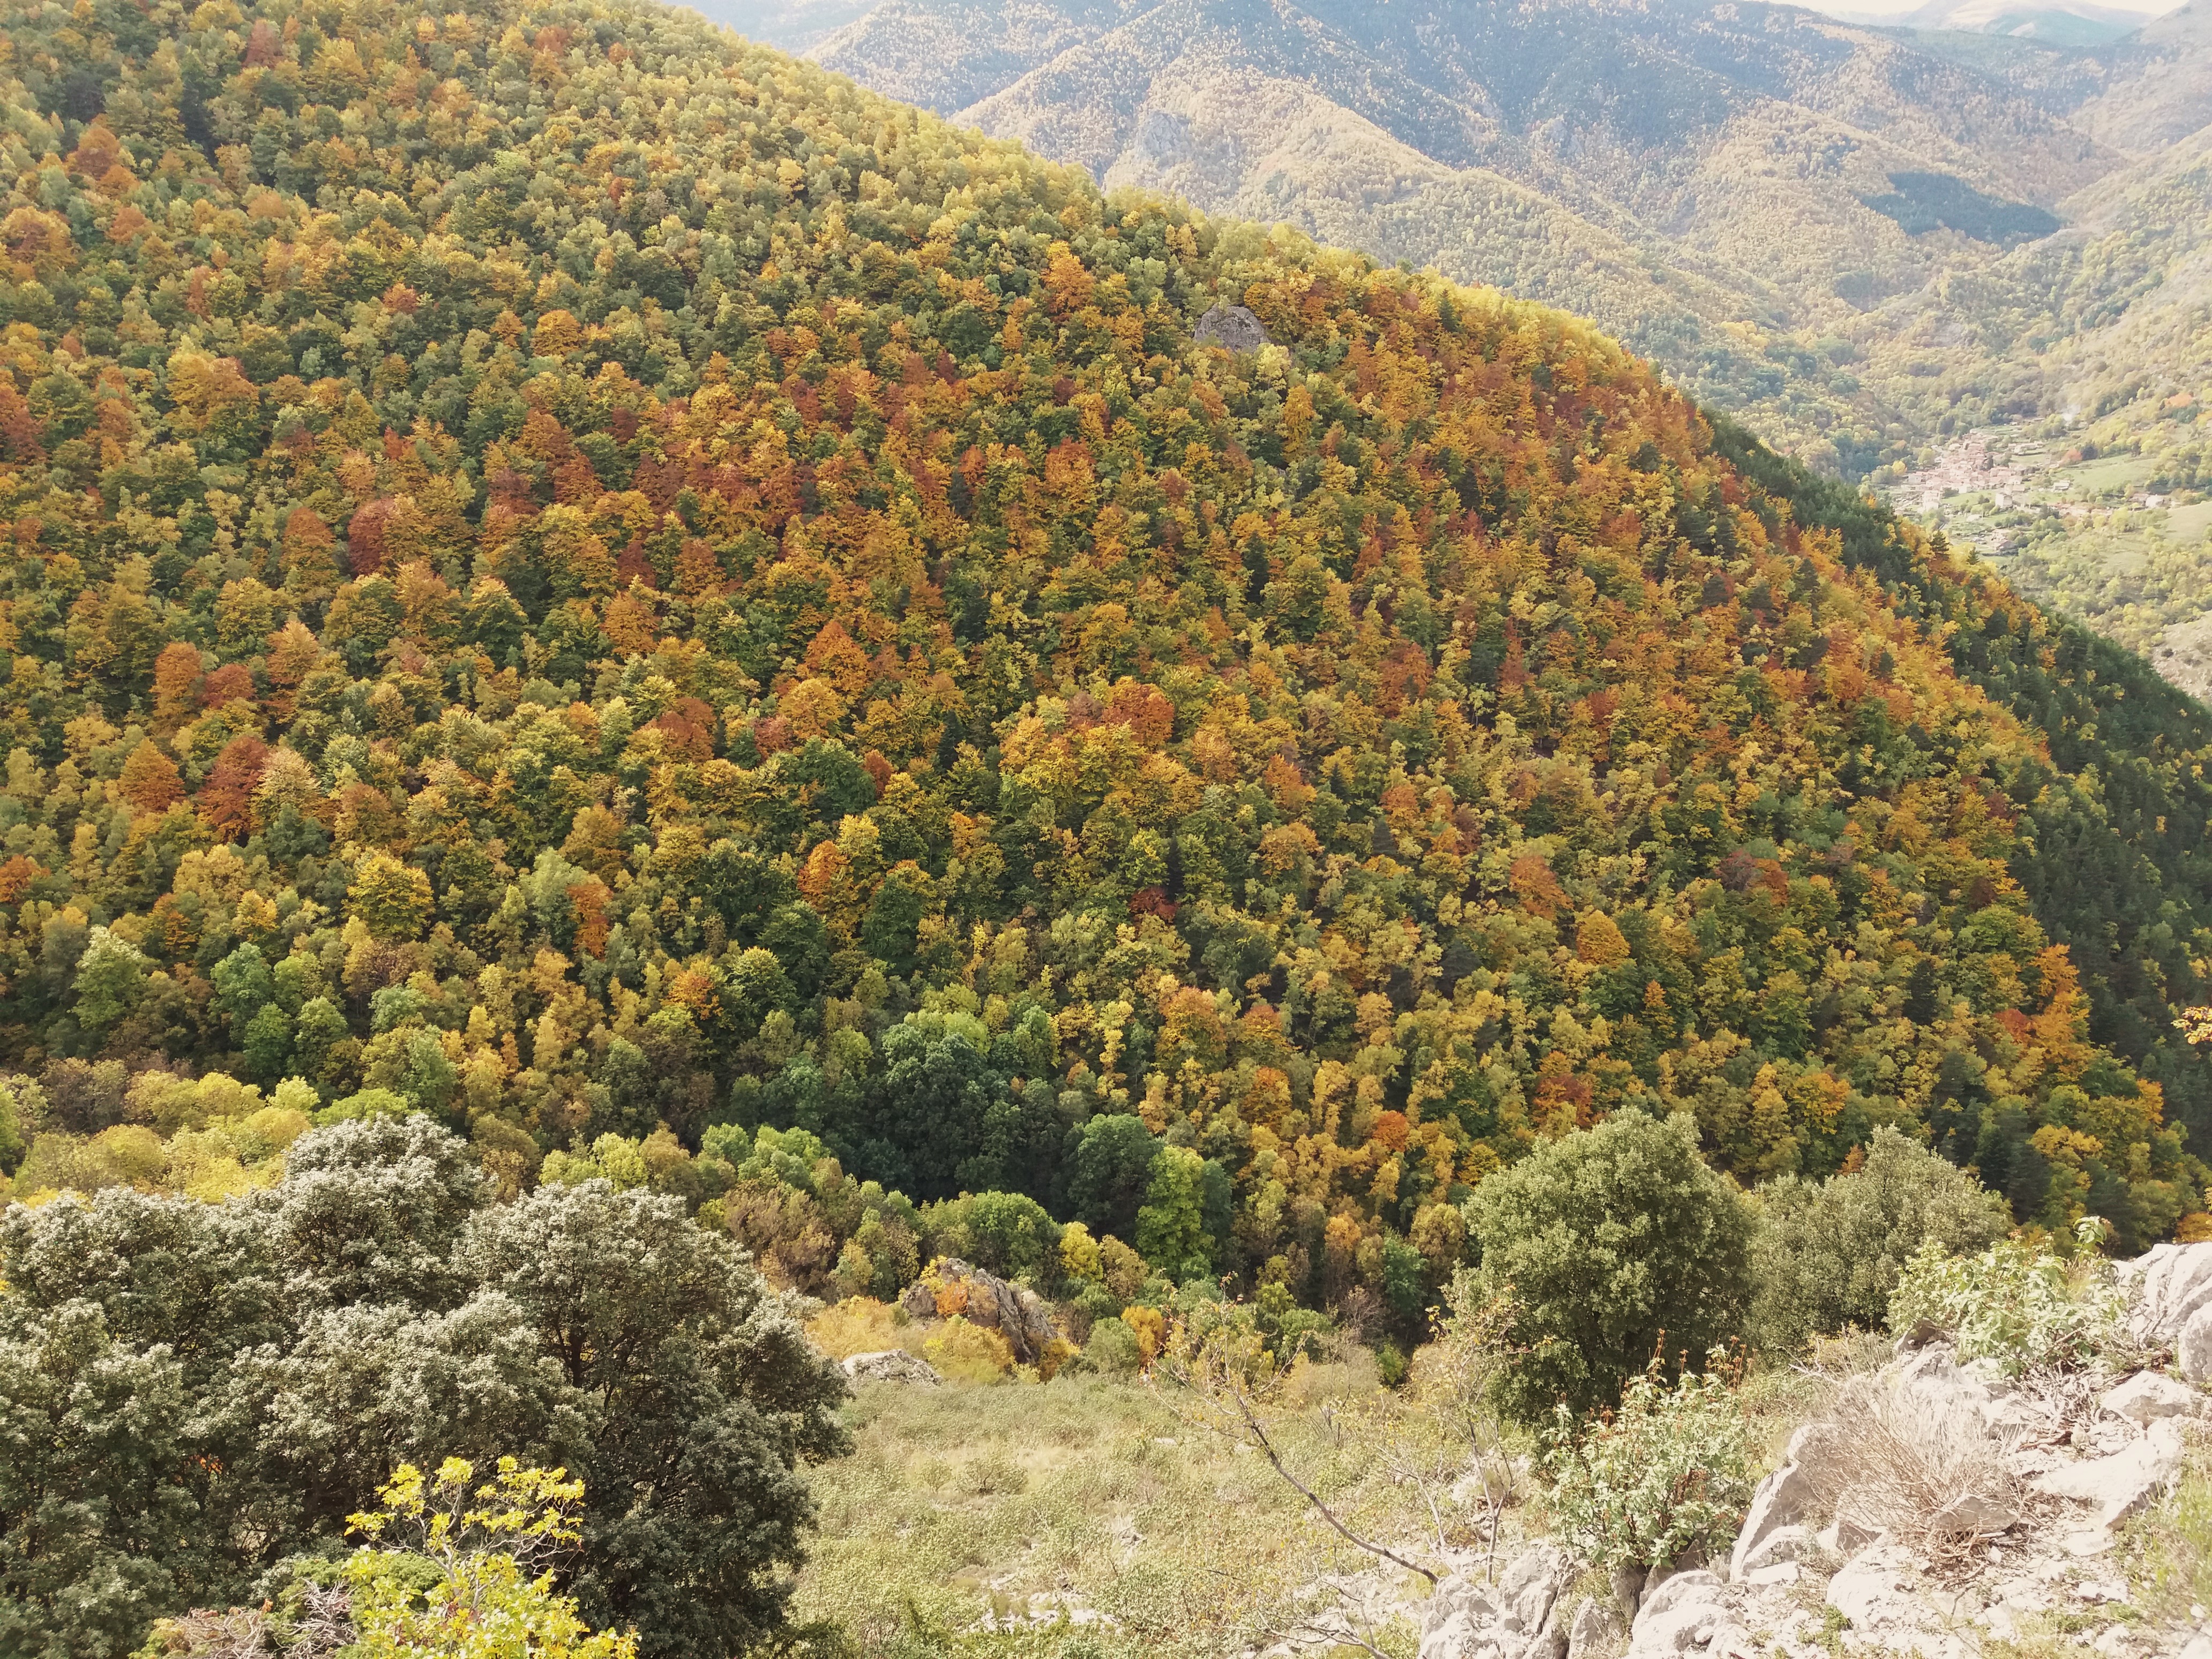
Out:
{"x": 2116, "y": 472}
{"x": 2190, "y": 523}
{"x": 971, "y": 1518}
{"x": 967, "y": 1507}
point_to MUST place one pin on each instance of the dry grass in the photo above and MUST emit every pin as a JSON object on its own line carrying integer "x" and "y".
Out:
{"x": 963, "y": 1507}
{"x": 861, "y": 1324}
{"x": 1891, "y": 1460}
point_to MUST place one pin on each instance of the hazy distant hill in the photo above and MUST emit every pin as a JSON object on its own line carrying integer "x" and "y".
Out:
{"x": 2160, "y": 89}
{"x": 1720, "y": 184}
{"x": 2072, "y": 25}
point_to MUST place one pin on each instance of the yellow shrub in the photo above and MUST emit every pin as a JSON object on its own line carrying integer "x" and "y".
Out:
{"x": 203, "y": 1163}
{"x": 858, "y": 1324}
{"x": 1151, "y": 1328}
{"x": 1079, "y": 1254}
{"x": 967, "y": 1353}
{"x": 260, "y": 1135}
{"x": 1057, "y": 1352}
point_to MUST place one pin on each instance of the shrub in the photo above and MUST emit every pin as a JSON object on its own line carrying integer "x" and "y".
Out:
{"x": 459, "y": 1572}
{"x": 858, "y": 1324}
{"x": 1828, "y": 1254}
{"x": 968, "y": 1353}
{"x": 2019, "y": 1304}
{"x": 1663, "y": 1480}
{"x": 1612, "y": 1241}
{"x": 479, "y": 1546}
{"x": 1112, "y": 1349}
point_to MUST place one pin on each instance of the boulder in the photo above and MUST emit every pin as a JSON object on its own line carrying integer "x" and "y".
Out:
{"x": 1595, "y": 1630}
{"x": 2148, "y": 1395}
{"x": 1846, "y": 1536}
{"x": 2192, "y": 1346}
{"x": 1782, "y": 1547}
{"x": 1531, "y": 1584}
{"x": 1680, "y": 1590}
{"x": 1232, "y": 327}
{"x": 2168, "y": 1284}
{"x": 1457, "y": 1619}
{"x": 2123, "y": 1482}
{"x": 1688, "y": 1614}
{"x": 891, "y": 1365}
{"x": 1783, "y": 1500}
{"x": 1516, "y": 1618}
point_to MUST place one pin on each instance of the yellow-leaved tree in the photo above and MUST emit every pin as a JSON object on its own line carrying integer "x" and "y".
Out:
{"x": 492, "y": 1549}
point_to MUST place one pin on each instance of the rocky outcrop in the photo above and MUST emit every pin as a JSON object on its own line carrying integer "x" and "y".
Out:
{"x": 1691, "y": 1612}
{"x": 1936, "y": 1507}
{"x": 2123, "y": 1481}
{"x": 2170, "y": 1305}
{"x": 1595, "y": 1630}
{"x": 1518, "y": 1617}
{"x": 951, "y": 1287}
{"x": 1232, "y": 327}
{"x": 1783, "y": 1498}
{"x": 891, "y": 1365}
{"x": 2148, "y": 1395}
{"x": 2167, "y": 1286}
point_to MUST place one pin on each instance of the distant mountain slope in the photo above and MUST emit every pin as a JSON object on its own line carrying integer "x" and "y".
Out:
{"x": 1697, "y": 178}
{"x": 2160, "y": 89}
{"x": 948, "y": 56}
{"x": 2072, "y": 25}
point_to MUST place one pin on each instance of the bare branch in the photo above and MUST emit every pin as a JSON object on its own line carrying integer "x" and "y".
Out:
{"x": 1258, "y": 1431}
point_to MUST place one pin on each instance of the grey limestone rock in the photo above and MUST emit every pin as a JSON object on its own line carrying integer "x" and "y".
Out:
{"x": 2123, "y": 1482}
{"x": 1595, "y": 1629}
{"x": 2148, "y": 1395}
{"x": 1232, "y": 327}
{"x": 2169, "y": 1284}
{"x": 1518, "y": 1617}
{"x": 891, "y": 1365}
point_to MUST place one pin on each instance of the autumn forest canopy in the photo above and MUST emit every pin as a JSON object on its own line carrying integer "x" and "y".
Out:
{"x": 588, "y": 580}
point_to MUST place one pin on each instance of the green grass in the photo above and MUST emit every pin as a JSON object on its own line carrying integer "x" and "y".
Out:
{"x": 2169, "y": 1547}
{"x": 2094, "y": 477}
{"x": 2188, "y": 524}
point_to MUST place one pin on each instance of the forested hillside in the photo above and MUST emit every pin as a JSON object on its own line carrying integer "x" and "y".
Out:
{"x": 1862, "y": 242}
{"x": 576, "y": 575}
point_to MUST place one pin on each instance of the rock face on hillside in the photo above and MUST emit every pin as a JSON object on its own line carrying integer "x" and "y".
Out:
{"x": 1936, "y": 1507}
{"x": 1232, "y": 328}
{"x": 2172, "y": 1290}
{"x": 951, "y": 1287}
